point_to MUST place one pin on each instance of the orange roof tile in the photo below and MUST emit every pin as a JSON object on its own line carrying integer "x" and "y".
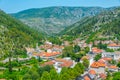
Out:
{"x": 113, "y": 67}
{"x": 107, "y": 59}
{"x": 97, "y": 65}
{"x": 92, "y": 72}
{"x": 113, "y": 45}
{"x": 86, "y": 78}
{"x": 103, "y": 76}
{"x": 101, "y": 61}
{"x": 96, "y": 50}
{"x": 45, "y": 54}
{"x": 65, "y": 63}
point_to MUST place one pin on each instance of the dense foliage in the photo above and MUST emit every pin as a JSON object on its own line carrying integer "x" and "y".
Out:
{"x": 14, "y": 36}
{"x": 74, "y": 52}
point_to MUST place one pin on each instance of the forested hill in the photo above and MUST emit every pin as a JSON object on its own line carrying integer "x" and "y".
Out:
{"x": 104, "y": 25}
{"x": 54, "y": 19}
{"x": 15, "y": 35}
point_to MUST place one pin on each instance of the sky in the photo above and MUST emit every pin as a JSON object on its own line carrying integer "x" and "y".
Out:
{"x": 13, "y": 6}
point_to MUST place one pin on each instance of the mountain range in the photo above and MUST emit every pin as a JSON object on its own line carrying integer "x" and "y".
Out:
{"x": 14, "y": 33}
{"x": 105, "y": 25}
{"x": 53, "y": 20}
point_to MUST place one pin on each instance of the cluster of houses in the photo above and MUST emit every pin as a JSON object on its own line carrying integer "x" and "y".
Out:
{"x": 98, "y": 69}
{"x": 49, "y": 53}
{"x": 59, "y": 63}
{"x": 46, "y": 51}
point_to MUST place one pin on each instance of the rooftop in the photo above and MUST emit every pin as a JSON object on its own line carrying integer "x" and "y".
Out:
{"x": 92, "y": 72}
{"x": 46, "y": 54}
{"x": 102, "y": 75}
{"x": 62, "y": 62}
{"x": 113, "y": 67}
{"x": 96, "y": 50}
{"x": 107, "y": 59}
{"x": 97, "y": 64}
{"x": 113, "y": 45}
{"x": 86, "y": 78}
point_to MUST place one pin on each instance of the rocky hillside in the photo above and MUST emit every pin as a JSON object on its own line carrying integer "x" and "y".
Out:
{"x": 55, "y": 19}
{"x": 106, "y": 25}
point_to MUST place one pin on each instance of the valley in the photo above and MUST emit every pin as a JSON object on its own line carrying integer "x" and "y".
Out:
{"x": 53, "y": 20}
{"x": 60, "y": 43}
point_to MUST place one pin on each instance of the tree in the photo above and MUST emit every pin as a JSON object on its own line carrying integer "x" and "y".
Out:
{"x": 26, "y": 77}
{"x": 64, "y": 76}
{"x": 102, "y": 46}
{"x": 53, "y": 74}
{"x": 97, "y": 57}
{"x": 67, "y": 51}
{"x": 118, "y": 64}
{"x": 31, "y": 74}
{"x": 72, "y": 73}
{"x": 39, "y": 59}
{"x": 45, "y": 68}
{"x": 79, "y": 68}
{"x": 45, "y": 76}
{"x": 109, "y": 50}
{"x": 87, "y": 49}
{"x": 76, "y": 48}
{"x": 116, "y": 76}
{"x": 86, "y": 63}
{"x": 112, "y": 62}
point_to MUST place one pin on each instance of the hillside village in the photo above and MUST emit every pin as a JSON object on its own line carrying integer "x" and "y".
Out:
{"x": 98, "y": 68}
{"x": 60, "y": 43}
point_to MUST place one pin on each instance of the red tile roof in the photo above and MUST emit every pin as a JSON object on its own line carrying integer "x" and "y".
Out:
{"x": 103, "y": 76}
{"x": 92, "y": 72}
{"x": 113, "y": 67}
{"x": 113, "y": 45}
{"x": 46, "y": 54}
{"x": 65, "y": 63}
{"x": 97, "y": 65}
{"x": 107, "y": 59}
{"x": 101, "y": 61}
{"x": 86, "y": 78}
{"x": 96, "y": 50}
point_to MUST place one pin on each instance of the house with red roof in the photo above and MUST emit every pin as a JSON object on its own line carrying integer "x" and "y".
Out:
{"x": 113, "y": 68}
{"x": 46, "y": 55}
{"x": 92, "y": 73}
{"x": 86, "y": 78}
{"x": 59, "y": 63}
{"x": 113, "y": 46}
{"x": 96, "y": 50}
{"x": 98, "y": 67}
{"x": 102, "y": 76}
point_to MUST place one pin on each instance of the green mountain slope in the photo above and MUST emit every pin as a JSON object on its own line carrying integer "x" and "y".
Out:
{"x": 55, "y": 19}
{"x": 15, "y": 35}
{"x": 105, "y": 25}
